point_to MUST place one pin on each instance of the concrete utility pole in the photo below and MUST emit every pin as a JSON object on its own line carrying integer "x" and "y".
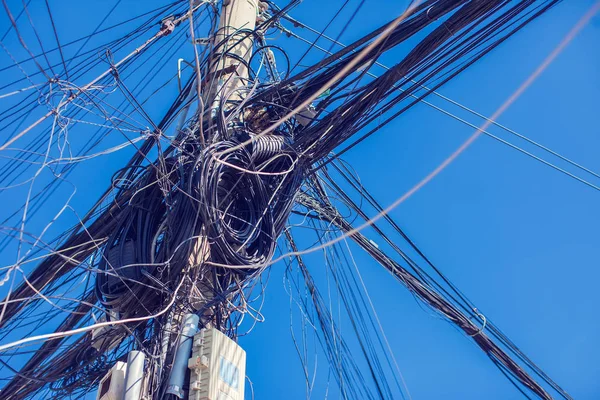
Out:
{"x": 232, "y": 50}
{"x": 217, "y": 365}
{"x": 214, "y": 355}
{"x": 232, "y": 43}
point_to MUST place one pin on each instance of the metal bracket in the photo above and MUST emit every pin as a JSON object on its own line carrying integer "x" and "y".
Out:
{"x": 202, "y": 41}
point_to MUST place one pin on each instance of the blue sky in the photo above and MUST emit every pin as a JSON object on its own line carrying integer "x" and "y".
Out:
{"x": 519, "y": 238}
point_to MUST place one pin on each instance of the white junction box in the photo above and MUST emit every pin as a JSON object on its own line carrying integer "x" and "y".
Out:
{"x": 218, "y": 367}
{"x": 112, "y": 385}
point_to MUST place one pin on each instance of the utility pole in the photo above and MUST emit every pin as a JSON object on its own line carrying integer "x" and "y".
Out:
{"x": 214, "y": 363}
{"x": 229, "y": 72}
{"x": 217, "y": 364}
{"x": 233, "y": 42}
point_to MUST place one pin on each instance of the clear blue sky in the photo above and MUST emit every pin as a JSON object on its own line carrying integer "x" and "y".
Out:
{"x": 519, "y": 238}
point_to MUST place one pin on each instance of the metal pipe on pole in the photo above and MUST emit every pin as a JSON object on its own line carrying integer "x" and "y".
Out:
{"x": 134, "y": 377}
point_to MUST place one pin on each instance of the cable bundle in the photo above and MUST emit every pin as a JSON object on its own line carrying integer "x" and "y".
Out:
{"x": 234, "y": 202}
{"x": 224, "y": 182}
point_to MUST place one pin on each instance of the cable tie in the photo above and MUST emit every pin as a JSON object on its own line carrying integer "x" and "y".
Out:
{"x": 483, "y": 318}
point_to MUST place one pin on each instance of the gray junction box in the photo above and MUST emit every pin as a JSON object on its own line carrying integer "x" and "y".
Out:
{"x": 218, "y": 367}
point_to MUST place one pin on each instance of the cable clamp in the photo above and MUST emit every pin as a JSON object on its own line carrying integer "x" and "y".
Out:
{"x": 202, "y": 41}
{"x": 167, "y": 26}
